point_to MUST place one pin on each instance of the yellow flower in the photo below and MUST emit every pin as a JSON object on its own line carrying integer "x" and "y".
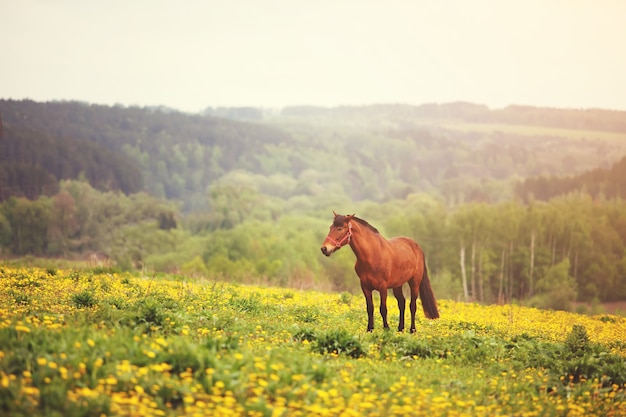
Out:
{"x": 22, "y": 328}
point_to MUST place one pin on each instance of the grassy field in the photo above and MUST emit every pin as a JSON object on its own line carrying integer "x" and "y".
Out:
{"x": 89, "y": 343}
{"x": 528, "y": 130}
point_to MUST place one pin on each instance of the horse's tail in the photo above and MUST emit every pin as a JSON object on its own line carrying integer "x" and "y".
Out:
{"x": 428, "y": 298}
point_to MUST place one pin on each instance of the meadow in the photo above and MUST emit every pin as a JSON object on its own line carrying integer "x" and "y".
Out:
{"x": 530, "y": 130}
{"x": 88, "y": 342}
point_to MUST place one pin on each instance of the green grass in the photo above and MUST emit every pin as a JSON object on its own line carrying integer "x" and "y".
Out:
{"x": 116, "y": 344}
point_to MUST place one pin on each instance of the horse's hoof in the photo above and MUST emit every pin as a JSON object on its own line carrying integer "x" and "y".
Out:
{"x": 370, "y": 330}
{"x": 400, "y": 329}
{"x": 413, "y": 330}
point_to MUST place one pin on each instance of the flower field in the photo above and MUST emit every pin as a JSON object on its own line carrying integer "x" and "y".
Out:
{"x": 85, "y": 343}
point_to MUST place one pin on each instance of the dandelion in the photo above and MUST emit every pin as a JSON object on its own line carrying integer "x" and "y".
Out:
{"x": 267, "y": 373}
{"x": 21, "y": 328}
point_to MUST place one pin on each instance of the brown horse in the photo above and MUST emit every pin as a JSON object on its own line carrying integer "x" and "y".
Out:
{"x": 382, "y": 264}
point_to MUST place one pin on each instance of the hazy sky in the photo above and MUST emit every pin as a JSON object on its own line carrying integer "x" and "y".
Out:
{"x": 270, "y": 53}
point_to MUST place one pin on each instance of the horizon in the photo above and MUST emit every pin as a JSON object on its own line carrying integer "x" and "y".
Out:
{"x": 321, "y": 106}
{"x": 278, "y": 109}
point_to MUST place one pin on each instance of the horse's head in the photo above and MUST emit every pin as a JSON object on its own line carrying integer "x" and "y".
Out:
{"x": 339, "y": 234}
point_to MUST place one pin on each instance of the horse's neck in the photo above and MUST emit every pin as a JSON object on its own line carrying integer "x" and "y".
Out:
{"x": 365, "y": 243}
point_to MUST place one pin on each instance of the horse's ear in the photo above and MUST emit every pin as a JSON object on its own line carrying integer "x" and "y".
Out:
{"x": 350, "y": 215}
{"x": 335, "y": 214}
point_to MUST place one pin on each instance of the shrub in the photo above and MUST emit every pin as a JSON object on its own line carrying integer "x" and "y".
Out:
{"x": 84, "y": 299}
{"x": 339, "y": 342}
{"x": 577, "y": 341}
{"x": 304, "y": 334}
{"x": 151, "y": 312}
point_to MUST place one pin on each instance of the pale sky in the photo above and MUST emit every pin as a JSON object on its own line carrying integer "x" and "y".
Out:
{"x": 193, "y": 54}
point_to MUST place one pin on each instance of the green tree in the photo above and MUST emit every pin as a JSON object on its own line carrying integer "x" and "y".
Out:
{"x": 557, "y": 289}
{"x": 63, "y": 224}
{"x": 29, "y": 225}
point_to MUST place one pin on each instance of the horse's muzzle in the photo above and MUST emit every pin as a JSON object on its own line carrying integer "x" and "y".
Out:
{"x": 326, "y": 251}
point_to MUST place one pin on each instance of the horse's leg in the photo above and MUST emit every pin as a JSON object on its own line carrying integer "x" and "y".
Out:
{"x": 401, "y": 306}
{"x": 370, "y": 308}
{"x": 383, "y": 308}
{"x": 413, "y": 304}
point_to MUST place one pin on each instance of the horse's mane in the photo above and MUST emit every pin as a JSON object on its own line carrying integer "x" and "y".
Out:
{"x": 366, "y": 224}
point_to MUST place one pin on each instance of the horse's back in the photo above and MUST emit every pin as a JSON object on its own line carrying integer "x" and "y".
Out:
{"x": 404, "y": 245}
{"x": 407, "y": 256}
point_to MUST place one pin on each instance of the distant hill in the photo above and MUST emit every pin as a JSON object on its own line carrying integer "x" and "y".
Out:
{"x": 376, "y": 153}
{"x": 32, "y": 162}
{"x": 609, "y": 183}
{"x": 171, "y": 154}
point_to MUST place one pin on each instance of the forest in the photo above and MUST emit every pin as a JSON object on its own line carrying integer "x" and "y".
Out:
{"x": 519, "y": 204}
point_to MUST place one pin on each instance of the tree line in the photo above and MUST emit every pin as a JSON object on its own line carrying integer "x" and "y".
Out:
{"x": 547, "y": 254}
